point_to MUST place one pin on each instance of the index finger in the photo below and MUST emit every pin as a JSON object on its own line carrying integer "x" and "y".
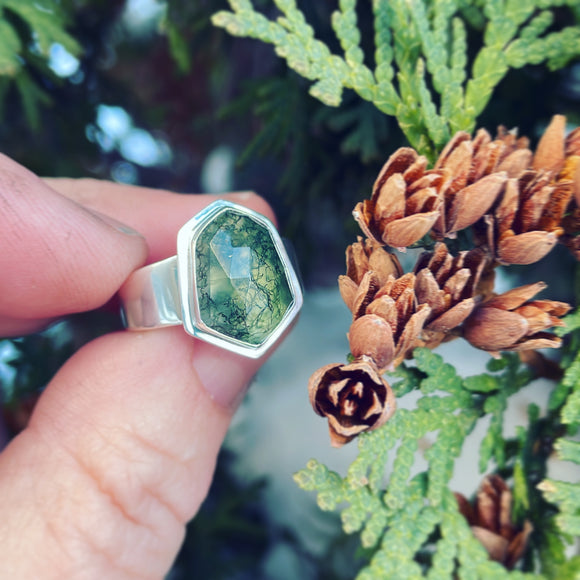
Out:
{"x": 157, "y": 214}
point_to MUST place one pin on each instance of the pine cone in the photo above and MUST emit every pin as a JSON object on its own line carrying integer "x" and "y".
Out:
{"x": 525, "y": 225}
{"x": 469, "y": 177}
{"x": 490, "y": 519}
{"x": 451, "y": 287}
{"x": 354, "y": 398}
{"x": 405, "y": 201}
{"x": 386, "y": 320}
{"x": 528, "y": 221}
{"x": 408, "y": 201}
{"x": 474, "y": 173}
{"x": 513, "y": 322}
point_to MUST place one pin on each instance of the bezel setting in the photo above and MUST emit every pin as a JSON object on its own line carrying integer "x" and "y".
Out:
{"x": 188, "y": 285}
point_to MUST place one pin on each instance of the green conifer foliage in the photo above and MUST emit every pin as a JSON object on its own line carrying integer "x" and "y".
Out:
{"x": 412, "y": 522}
{"x": 566, "y": 400}
{"x": 28, "y": 29}
{"x": 420, "y": 73}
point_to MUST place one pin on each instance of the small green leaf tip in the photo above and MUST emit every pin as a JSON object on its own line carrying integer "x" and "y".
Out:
{"x": 566, "y": 495}
{"x": 28, "y": 31}
{"x": 421, "y": 72}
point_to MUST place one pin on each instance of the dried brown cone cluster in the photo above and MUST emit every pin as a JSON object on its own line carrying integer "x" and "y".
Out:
{"x": 409, "y": 201}
{"x": 490, "y": 519}
{"x": 452, "y": 287}
{"x": 392, "y": 314}
{"x": 386, "y": 319}
{"x": 530, "y": 216}
{"x": 518, "y": 201}
{"x": 519, "y": 205}
{"x": 386, "y": 323}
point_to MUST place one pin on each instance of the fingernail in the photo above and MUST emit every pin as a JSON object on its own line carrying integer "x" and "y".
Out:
{"x": 119, "y": 226}
{"x": 226, "y": 376}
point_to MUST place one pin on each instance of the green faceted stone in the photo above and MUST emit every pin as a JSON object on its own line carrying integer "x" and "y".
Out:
{"x": 242, "y": 287}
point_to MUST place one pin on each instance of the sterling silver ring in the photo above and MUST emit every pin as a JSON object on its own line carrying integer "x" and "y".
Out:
{"x": 231, "y": 283}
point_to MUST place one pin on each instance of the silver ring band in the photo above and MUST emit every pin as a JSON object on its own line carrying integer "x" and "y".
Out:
{"x": 231, "y": 283}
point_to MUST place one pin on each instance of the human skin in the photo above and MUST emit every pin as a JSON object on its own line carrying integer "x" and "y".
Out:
{"x": 120, "y": 450}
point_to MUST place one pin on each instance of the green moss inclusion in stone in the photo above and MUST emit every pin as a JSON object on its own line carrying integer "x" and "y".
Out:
{"x": 242, "y": 288}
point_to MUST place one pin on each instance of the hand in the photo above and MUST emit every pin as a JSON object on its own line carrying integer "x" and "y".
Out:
{"x": 120, "y": 450}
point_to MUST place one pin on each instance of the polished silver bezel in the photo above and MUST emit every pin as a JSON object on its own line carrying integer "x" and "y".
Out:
{"x": 187, "y": 284}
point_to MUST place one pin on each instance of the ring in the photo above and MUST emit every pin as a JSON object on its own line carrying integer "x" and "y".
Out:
{"x": 231, "y": 283}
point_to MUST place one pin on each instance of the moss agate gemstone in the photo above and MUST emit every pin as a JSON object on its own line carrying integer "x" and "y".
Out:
{"x": 242, "y": 287}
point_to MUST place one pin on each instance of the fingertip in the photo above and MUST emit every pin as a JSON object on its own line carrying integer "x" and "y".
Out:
{"x": 58, "y": 257}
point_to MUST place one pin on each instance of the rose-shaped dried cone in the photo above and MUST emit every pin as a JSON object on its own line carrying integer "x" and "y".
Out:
{"x": 490, "y": 519}
{"x": 513, "y": 322}
{"x": 353, "y": 397}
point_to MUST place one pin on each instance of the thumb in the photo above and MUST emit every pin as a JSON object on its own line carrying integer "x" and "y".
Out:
{"x": 57, "y": 257}
{"x": 118, "y": 456}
